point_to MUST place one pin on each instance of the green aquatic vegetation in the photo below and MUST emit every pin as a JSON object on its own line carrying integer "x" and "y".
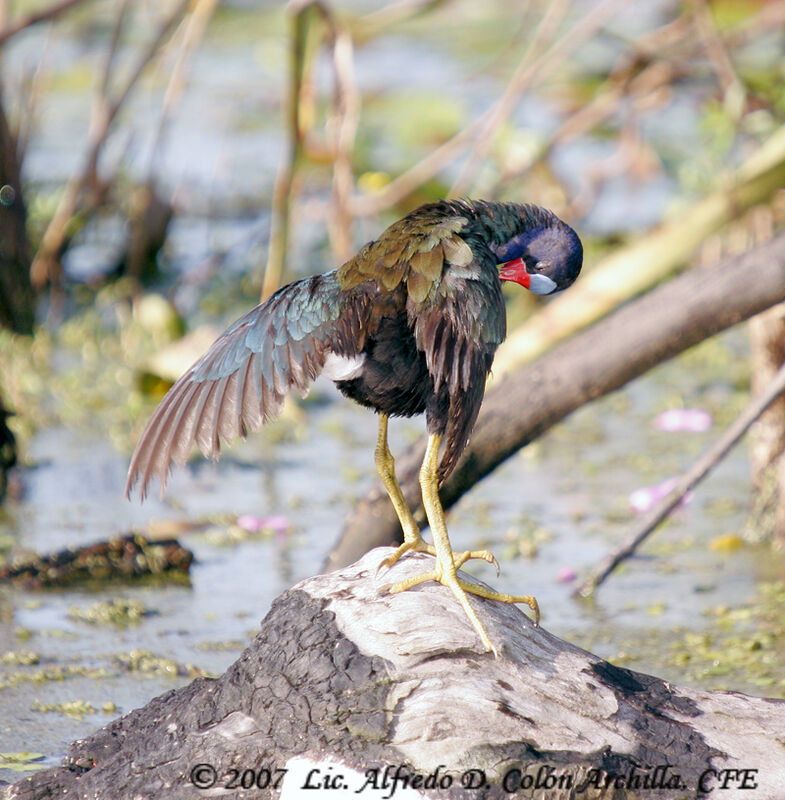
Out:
{"x": 146, "y": 663}
{"x": 117, "y": 612}
{"x": 221, "y": 646}
{"x": 742, "y": 647}
{"x": 414, "y": 120}
{"x": 730, "y": 13}
{"x": 230, "y": 26}
{"x": 76, "y": 709}
{"x": 524, "y": 540}
{"x": 23, "y": 657}
{"x": 722, "y": 506}
{"x": 350, "y": 473}
{"x": 668, "y": 548}
{"x": 54, "y": 672}
{"x": 657, "y": 609}
{"x": 79, "y": 372}
{"x": 21, "y": 762}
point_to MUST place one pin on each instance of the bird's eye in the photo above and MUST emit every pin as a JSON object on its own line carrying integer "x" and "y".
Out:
{"x": 541, "y": 266}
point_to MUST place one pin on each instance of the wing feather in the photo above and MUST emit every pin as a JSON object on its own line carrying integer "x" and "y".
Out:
{"x": 142, "y": 460}
{"x": 458, "y": 329}
{"x": 175, "y": 448}
{"x": 226, "y": 424}
{"x": 242, "y": 380}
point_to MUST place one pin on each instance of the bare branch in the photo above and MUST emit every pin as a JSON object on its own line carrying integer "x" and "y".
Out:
{"x": 192, "y": 35}
{"x": 343, "y": 128}
{"x": 521, "y": 80}
{"x": 715, "y": 48}
{"x": 435, "y": 161}
{"x": 33, "y": 19}
{"x": 45, "y": 264}
{"x": 694, "y": 475}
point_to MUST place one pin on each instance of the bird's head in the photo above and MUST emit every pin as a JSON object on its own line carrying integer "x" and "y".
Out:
{"x": 543, "y": 259}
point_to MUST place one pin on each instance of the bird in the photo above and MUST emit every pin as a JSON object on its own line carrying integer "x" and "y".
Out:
{"x": 409, "y": 325}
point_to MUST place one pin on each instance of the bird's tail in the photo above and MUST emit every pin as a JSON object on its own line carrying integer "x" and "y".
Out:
{"x": 459, "y": 427}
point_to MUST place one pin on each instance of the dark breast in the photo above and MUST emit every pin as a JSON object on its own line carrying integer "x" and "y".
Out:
{"x": 394, "y": 378}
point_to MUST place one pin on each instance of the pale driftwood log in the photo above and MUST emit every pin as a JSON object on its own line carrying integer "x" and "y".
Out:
{"x": 374, "y": 681}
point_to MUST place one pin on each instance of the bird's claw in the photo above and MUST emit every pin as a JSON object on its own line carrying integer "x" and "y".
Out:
{"x": 413, "y": 545}
{"x": 459, "y": 559}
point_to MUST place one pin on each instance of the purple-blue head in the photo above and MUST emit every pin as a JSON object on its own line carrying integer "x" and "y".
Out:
{"x": 544, "y": 259}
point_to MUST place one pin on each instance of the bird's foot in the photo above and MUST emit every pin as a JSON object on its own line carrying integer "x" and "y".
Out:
{"x": 459, "y": 559}
{"x": 414, "y": 544}
{"x": 459, "y": 589}
{"x": 419, "y": 545}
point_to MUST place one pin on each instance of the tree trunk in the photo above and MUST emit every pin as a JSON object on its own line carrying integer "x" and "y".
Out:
{"x": 767, "y": 337}
{"x": 344, "y": 684}
{"x": 593, "y": 363}
{"x": 17, "y": 300}
{"x": 8, "y": 452}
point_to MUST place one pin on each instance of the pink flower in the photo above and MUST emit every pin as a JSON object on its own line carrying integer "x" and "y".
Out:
{"x": 277, "y": 523}
{"x": 566, "y": 574}
{"x": 690, "y": 420}
{"x": 643, "y": 500}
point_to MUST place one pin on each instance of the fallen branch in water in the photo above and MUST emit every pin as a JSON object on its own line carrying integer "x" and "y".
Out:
{"x": 636, "y": 268}
{"x": 126, "y": 557}
{"x": 694, "y": 475}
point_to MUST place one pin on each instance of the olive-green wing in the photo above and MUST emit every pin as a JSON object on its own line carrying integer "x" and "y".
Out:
{"x": 412, "y": 253}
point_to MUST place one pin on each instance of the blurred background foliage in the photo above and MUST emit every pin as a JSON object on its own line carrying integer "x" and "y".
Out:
{"x": 211, "y": 151}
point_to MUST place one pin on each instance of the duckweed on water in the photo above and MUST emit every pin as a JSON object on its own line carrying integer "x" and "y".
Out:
{"x": 117, "y": 612}
{"x": 147, "y": 663}
{"x": 221, "y": 646}
{"x": 231, "y": 535}
{"x": 743, "y": 649}
{"x": 22, "y": 657}
{"x": 76, "y": 709}
{"x": 55, "y": 672}
{"x": 525, "y": 539}
{"x": 21, "y": 762}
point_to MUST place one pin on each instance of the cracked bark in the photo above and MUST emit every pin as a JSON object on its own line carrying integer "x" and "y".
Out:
{"x": 373, "y": 681}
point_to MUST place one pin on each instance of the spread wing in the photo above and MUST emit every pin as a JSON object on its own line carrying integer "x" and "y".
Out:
{"x": 242, "y": 380}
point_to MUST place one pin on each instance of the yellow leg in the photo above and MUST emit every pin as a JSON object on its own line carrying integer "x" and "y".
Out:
{"x": 412, "y": 540}
{"x": 446, "y": 561}
{"x": 385, "y": 465}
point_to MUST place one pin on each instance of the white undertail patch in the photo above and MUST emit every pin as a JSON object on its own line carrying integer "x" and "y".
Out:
{"x": 342, "y": 368}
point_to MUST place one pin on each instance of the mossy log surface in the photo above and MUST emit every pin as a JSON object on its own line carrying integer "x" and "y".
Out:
{"x": 343, "y": 683}
{"x": 122, "y": 558}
